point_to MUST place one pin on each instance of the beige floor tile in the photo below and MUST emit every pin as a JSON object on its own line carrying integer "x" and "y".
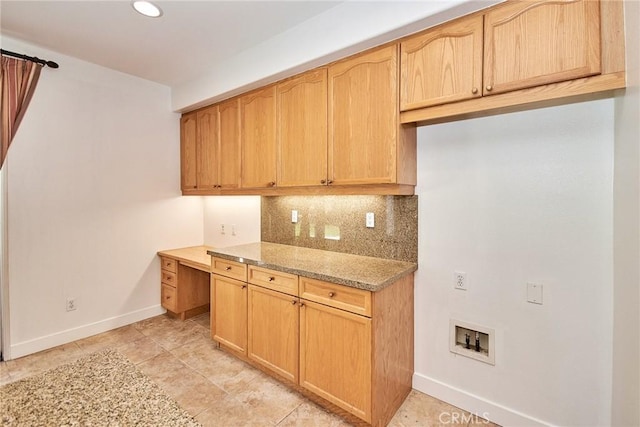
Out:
{"x": 110, "y": 339}
{"x": 171, "y": 333}
{"x": 421, "y": 410}
{"x": 141, "y": 350}
{"x": 202, "y": 320}
{"x": 41, "y": 361}
{"x": 268, "y": 398}
{"x": 308, "y": 414}
{"x": 5, "y": 378}
{"x": 477, "y": 421}
{"x": 229, "y": 412}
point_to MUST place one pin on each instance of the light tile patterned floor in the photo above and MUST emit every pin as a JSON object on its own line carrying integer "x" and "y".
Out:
{"x": 216, "y": 388}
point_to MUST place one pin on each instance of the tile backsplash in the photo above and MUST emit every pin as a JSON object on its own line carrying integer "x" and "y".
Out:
{"x": 337, "y": 223}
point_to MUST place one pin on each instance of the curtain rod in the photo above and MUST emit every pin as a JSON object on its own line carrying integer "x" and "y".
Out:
{"x": 30, "y": 58}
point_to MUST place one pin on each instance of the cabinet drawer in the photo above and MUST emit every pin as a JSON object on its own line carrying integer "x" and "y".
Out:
{"x": 169, "y": 278}
{"x": 232, "y": 269}
{"x": 169, "y": 264}
{"x": 343, "y": 297}
{"x": 276, "y": 280}
{"x": 169, "y": 298}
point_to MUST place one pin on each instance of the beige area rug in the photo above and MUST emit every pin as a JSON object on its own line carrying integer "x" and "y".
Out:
{"x": 103, "y": 389}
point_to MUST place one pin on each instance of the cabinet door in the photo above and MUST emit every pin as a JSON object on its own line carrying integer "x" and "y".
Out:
{"x": 229, "y": 144}
{"x": 229, "y": 317}
{"x": 302, "y": 130}
{"x": 363, "y": 118}
{"x": 442, "y": 65}
{"x": 207, "y": 147}
{"x": 539, "y": 42}
{"x": 335, "y": 357}
{"x": 188, "y": 142}
{"x": 258, "y": 134}
{"x": 273, "y": 331}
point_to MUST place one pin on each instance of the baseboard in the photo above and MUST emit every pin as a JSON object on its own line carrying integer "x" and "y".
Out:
{"x": 49, "y": 341}
{"x": 476, "y": 405}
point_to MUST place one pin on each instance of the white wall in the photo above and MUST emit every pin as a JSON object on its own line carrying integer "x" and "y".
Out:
{"x": 239, "y": 213}
{"x": 510, "y": 199}
{"x": 626, "y": 331}
{"x": 93, "y": 195}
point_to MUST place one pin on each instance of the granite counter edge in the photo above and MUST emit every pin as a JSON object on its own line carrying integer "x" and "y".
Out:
{"x": 373, "y": 287}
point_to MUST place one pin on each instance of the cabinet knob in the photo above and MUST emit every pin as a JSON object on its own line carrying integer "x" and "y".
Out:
{"x": 293, "y": 302}
{"x": 489, "y": 88}
{"x": 332, "y": 294}
{"x": 329, "y": 182}
{"x": 474, "y": 90}
{"x": 271, "y": 279}
{"x": 271, "y": 184}
{"x": 228, "y": 268}
{"x": 301, "y": 304}
{"x": 323, "y": 181}
{"x": 244, "y": 286}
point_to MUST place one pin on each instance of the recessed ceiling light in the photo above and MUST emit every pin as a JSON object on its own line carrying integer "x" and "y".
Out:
{"x": 147, "y": 8}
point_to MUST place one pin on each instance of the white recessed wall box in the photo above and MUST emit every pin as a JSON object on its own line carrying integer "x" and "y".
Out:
{"x": 474, "y": 341}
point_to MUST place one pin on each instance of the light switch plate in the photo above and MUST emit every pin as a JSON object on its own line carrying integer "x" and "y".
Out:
{"x": 534, "y": 293}
{"x": 294, "y": 216}
{"x": 370, "y": 220}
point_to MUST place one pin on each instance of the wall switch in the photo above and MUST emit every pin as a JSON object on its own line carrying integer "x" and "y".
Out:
{"x": 370, "y": 220}
{"x": 460, "y": 280}
{"x": 534, "y": 293}
{"x": 222, "y": 229}
{"x": 294, "y": 216}
{"x": 71, "y": 304}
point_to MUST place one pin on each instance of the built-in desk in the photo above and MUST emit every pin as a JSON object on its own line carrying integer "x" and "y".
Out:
{"x": 185, "y": 280}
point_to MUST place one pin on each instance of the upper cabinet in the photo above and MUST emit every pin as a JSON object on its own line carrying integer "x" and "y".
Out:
{"x": 350, "y": 127}
{"x": 229, "y": 144}
{"x": 258, "y": 136}
{"x": 210, "y": 149}
{"x": 301, "y": 104}
{"x": 442, "y": 65}
{"x": 367, "y": 144}
{"x": 515, "y": 54}
{"x": 539, "y": 42}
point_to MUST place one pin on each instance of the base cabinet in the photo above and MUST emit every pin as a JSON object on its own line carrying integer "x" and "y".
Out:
{"x": 184, "y": 291}
{"x": 229, "y": 313}
{"x": 273, "y": 331}
{"x": 335, "y": 357}
{"x": 351, "y": 347}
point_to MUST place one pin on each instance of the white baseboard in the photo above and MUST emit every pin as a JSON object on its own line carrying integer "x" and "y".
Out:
{"x": 476, "y": 405}
{"x": 49, "y": 341}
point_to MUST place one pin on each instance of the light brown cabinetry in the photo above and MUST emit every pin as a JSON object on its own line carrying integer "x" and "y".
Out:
{"x": 228, "y": 154}
{"x": 367, "y": 144}
{"x": 540, "y": 42}
{"x": 517, "y": 53}
{"x": 229, "y": 313}
{"x": 335, "y": 357}
{"x": 301, "y": 104}
{"x": 273, "y": 324}
{"x": 210, "y": 149}
{"x": 258, "y": 136}
{"x": 184, "y": 291}
{"x": 442, "y": 65}
{"x": 349, "y": 346}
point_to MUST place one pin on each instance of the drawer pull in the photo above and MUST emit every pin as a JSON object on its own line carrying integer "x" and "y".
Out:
{"x": 332, "y": 294}
{"x": 228, "y": 268}
{"x": 271, "y": 279}
{"x": 244, "y": 286}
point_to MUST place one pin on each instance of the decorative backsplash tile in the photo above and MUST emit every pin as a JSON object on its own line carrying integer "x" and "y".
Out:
{"x": 337, "y": 223}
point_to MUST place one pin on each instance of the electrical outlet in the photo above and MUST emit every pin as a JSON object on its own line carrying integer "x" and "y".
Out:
{"x": 71, "y": 304}
{"x": 460, "y": 280}
{"x": 294, "y": 216}
{"x": 222, "y": 229}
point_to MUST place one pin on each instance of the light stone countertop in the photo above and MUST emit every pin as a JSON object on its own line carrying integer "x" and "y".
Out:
{"x": 357, "y": 271}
